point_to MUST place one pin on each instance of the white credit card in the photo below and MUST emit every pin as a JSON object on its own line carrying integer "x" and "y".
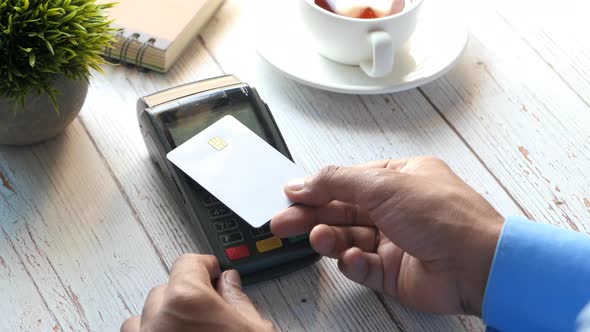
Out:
{"x": 239, "y": 168}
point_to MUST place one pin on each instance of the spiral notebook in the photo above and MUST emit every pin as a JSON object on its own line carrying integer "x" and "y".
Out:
{"x": 153, "y": 33}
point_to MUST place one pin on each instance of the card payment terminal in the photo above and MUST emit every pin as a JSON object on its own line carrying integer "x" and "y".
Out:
{"x": 169, "y": 118}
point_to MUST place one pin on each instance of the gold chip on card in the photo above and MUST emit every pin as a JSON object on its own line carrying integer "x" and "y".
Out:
{"x": 218, "y": 143}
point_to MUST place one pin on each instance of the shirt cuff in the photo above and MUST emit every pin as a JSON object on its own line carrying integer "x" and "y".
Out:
{"x": 539, "y": 279}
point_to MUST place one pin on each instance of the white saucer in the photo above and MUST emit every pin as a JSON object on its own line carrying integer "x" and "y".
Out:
{"x": 437, "y": 44}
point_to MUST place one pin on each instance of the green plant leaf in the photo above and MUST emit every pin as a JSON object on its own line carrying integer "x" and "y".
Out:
{"x": 49, "y": 47}
{"x": 79, "y": 27}
{"x": 55, "y": 11}
{"x": 32, "y": 60}
{"x": 68, "y": 17}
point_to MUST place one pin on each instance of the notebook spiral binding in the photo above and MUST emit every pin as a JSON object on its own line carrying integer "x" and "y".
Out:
{"x": 109, "y": 49}
{"x": 122, "y": 57}
{"x": 125, "y": 47}
{"x": 141, "y": 52}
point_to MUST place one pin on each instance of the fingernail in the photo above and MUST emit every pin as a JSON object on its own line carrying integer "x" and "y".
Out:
{"x": 232, "y": 277}
{"x": 296, "y": 184}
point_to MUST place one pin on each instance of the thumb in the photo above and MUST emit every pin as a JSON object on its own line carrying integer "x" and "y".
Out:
{"x": 361, "y": 186}
{"x": 229, "y": 286}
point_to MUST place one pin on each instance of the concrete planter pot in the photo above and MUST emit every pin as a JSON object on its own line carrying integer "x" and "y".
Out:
{"x": 39, "y": 121}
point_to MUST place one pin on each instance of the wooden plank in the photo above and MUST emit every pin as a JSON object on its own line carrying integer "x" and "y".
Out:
{"x": 557, "y": 33}
{"x": 78, "y": 240}
{"x": 324, "y": 128}
{"x": 527, "y": 125}
{"x": 321, "y": 298}
{"x": 19, "y": 287}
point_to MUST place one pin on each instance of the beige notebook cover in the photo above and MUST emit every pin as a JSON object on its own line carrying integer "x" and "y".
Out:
{"x": 153, "y": 33}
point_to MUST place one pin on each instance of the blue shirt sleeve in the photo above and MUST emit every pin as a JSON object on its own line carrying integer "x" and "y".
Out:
{"x": 539, "y": 279}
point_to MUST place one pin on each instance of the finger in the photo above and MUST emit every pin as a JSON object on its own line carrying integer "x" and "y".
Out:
{"x": 363, "y": 268}
{"x": 229, "y": 286}
{"x": 193, "y": 268}
{"x": 366, "y": 187}
{"x": 131, "y": 325}
{"x": 301, "y": 219}
{"x": 332, "y": 241}
{"x": 153, "y": 303}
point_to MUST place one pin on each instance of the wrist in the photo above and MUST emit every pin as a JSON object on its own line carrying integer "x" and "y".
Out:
{"x": 484, "y": 243}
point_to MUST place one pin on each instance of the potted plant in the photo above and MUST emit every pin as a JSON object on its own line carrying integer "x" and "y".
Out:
{"x": 47, "y": 51}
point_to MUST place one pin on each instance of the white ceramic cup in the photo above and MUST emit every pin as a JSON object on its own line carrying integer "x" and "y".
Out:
{"x": 368, "y": 43}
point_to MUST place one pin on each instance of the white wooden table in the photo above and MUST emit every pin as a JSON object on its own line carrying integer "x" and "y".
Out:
{"x": 86, "y": 230}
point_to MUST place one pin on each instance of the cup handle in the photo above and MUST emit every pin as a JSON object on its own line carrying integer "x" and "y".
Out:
{"x": 383, "y": 55}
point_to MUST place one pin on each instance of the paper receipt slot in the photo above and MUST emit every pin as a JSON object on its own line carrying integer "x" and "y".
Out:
{"x": 171, "y": 117}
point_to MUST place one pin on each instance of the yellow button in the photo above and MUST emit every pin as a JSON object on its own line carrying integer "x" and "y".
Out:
{"x": 269, "y": 244}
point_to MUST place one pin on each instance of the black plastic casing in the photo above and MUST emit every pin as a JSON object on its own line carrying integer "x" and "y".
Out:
{"x": 152, "y": 109}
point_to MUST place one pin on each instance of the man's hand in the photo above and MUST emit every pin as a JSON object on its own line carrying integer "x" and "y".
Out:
{"x": 189, "y": 302}
{"x": 411, "y": 229}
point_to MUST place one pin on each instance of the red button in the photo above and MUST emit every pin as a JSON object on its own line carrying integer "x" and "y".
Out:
{"x": 238, "y": 252}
